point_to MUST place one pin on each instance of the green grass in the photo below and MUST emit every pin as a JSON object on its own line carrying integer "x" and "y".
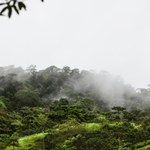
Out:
{"x": 92, "y": 126}
{"x": 27, "y": 142}
{"x": 101, "y": 118}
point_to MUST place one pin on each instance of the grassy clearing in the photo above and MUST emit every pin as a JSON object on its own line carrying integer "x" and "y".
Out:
{"x": 101, "y": 118}
{"x": 113, "y": 124}
{"x": 92, "y": 126}
{"x": 27, "y": 142}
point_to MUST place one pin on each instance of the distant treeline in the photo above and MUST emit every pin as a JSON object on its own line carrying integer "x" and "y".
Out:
{"x": 30, "y": 87}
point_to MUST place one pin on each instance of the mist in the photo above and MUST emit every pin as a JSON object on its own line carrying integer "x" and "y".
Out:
{"x": 71, "y": 83}
{"x": 104, "y": 86}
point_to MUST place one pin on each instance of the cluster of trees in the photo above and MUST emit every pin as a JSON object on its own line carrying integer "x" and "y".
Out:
{"x": 72, "y": 109}
{"x": 72, "y": 125}
{"x": 38, "y": 88}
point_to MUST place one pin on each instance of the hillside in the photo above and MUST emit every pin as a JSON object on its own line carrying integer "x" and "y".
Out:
{"x": 69, "y": 109}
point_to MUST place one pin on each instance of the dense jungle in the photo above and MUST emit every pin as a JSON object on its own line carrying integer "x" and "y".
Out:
{"x": 71, "y": 109}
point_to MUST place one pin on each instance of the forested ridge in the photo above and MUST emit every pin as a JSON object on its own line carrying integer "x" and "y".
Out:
{"x": 71, "y": 109}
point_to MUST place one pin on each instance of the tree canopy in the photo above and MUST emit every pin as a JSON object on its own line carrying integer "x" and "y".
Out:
{"x": 68, "y": 109}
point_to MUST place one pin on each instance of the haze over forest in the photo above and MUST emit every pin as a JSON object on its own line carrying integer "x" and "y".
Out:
{"x": 91, "y": 35}
{"x": 53, "y": 83}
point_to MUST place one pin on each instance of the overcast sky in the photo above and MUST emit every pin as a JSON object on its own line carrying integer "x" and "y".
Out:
{"x": 112, "y": 35}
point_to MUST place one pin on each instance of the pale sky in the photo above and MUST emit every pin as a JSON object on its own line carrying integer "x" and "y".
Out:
{"x": 111, "y": 35}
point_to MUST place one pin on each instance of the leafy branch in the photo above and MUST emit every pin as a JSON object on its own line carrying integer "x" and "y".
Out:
{"x": 10, "y": 6}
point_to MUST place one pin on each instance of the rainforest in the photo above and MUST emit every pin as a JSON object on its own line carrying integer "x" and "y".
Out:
{"x": 71, "y": 109}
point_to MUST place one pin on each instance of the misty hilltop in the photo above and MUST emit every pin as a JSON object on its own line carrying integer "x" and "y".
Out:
{"x": 53, "y": 83}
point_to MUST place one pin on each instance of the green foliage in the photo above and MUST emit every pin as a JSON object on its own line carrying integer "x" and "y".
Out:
{"x": 62, "y": 110}
{"x": 2, "y": 103}
{"x": 34, "y": 120}
{"x": 28, "y": 142}
{"x": 118, "y": 113}
{"x": 101, "y": 140}
{"x": 26, "y": 97}
{"x": 68, "y": 144}
{"x": 44, "y": 111}
{"x": 5, "y": 121}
